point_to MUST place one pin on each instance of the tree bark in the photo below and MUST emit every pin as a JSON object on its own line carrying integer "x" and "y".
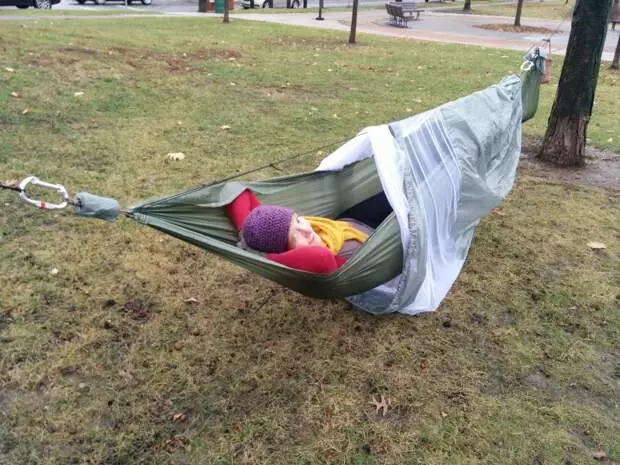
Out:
{"x": 353, "y": 22}
{"x": 615, "y": 64}
{"x": 226, "y": 12}
{"x": 518, "y": 15}
{"x": 467, "y": 5}
{"x": 565, "y": 139}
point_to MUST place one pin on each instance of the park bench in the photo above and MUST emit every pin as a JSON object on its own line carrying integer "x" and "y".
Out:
{"x": 402, "y": 12}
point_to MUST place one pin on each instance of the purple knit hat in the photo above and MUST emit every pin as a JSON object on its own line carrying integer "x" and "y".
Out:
{"x": 266, "y": 228}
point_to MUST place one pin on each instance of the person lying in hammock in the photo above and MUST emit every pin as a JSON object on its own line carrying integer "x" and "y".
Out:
{"x": 313, "y": 244}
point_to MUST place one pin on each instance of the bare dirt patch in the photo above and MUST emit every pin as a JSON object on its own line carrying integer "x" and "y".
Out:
{"x": 178, "y": 62}
{"x": 602, "y": 166}
{"x": 518, "y": 29}
{"x": 306, "y": 42}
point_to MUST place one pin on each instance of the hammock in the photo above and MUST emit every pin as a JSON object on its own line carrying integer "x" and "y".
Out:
{"x": 441, "y": 171}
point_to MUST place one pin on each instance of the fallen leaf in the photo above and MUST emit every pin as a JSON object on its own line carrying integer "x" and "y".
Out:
{"x": 26, "y": 111}
{"x": 11, "y": 183}
{"x": 78, "y": 94}
{"x": 444, "y": 414}
{"x": 596, "y": 245}
{"x": 176, "y": 156}
{"x": 381, "y": 405}
{"x": 179, "y": 345}
{"x": 423, "y": 364}
{"x": 225, "y": 126}
{"x": 179, "y": 417}
{"x": 14, "y": 94}
{"x": 10, "y": 70}
{"x": 191, "y": 300}
{"x": 54, "y": 271}
{"x": 599, "y": 455}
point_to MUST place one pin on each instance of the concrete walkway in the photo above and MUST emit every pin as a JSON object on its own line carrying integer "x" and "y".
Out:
{"x": 436, "y": 26}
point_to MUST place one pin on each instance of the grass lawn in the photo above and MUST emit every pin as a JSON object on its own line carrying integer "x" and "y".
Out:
{"x": 540, "y": 10}
{"x": 104, "y": 361}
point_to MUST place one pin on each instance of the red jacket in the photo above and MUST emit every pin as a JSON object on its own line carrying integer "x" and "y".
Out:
{"x": 312, "y": 258}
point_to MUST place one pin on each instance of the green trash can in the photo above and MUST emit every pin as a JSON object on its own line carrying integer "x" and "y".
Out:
{"x": 219, "y": 6}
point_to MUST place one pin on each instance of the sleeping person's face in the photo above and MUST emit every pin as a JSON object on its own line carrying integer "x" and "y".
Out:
{"x": 301, "y": 234}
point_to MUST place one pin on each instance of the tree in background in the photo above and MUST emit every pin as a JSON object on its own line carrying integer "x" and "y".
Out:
{"x": 565, "y": 139}
{"x": 353, "y": 22}
{"x": 615, "y": 15}
{"x": 226, "y": 12}
{"x": 518, "y": 15}
{"x": 467, "y": 5}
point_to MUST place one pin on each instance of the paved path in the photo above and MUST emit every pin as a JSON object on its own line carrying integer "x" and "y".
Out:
{"x": 434, "y": 26}
{"x": 441, "y": 27}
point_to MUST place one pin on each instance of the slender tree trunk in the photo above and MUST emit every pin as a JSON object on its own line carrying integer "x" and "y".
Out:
{"x": 616, "y": 63}
{"x": 226, "y": 12}
{"x": 467, "y": 5}
{"x": 353, "y": 22}
{"x": 565, "y": 140}
{"x": 518, "y": 15}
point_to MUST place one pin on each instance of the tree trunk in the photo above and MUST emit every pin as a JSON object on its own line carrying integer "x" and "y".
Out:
{"x": 565, "y": 139}
{"x": 616, "y": 63}
{"x": 467, "y": 5}
{"x": 518, "y": 15}
{"x": 353, "y": 22}
{"x": 226, "y": 12}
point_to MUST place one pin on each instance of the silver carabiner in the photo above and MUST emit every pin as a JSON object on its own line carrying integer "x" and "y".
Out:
{"x": 45, "y": 185}
{"x": 527, "y": 65}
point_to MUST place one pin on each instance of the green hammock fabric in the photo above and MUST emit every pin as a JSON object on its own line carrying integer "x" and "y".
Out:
{"x": 198, "y": 216}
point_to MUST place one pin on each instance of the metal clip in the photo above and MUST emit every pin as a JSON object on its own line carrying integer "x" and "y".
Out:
{"x": 527, "y": 65}
{"x": 45, "y": 185}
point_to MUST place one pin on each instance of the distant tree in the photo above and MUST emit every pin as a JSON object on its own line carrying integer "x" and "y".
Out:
{"x": 615, "y": 64}
{"x": 226, "y": 12}
{"x": 467, "y": 5}
{"x": 565, "y": 139}
{"x": 518, "y": 15}
{"x": 353, "y": 22}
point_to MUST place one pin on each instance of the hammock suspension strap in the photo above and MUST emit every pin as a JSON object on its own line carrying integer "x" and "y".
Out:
{"x": 84, "y": 204}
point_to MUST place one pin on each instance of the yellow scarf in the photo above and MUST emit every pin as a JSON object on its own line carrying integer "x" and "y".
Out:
{"x": 334, "y": 233}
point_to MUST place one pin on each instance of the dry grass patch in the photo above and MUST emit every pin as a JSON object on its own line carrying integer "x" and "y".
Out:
{"x": 517, "y": 29}
{"x": 141, "y": 349}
